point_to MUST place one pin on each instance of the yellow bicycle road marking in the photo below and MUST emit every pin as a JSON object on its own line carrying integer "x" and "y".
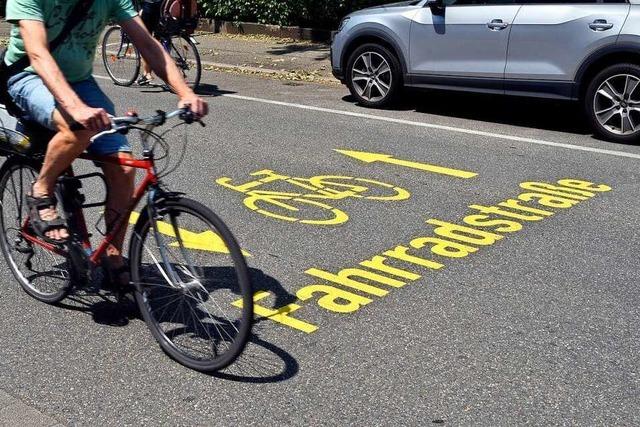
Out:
{"x": 206, "y": 241}
{"x": 387, "y": 158}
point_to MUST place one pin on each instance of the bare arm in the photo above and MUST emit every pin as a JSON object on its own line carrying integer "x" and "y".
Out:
{"x": 34, "y": 35}
{"x": 162, "y": 64}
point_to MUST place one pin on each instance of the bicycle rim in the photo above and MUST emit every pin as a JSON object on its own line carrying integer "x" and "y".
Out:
{"x": 120, "y": 57}
{"x": 43, "y": 274}
{"x": 185, "y": 54}
{"x": 196, "y": 297}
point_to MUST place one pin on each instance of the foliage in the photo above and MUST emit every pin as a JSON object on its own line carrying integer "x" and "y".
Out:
{"x": 311, "y": 13}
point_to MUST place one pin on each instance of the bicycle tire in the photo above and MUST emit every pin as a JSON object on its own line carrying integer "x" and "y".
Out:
{"x": 179, "y": 56}
{"x": 219, "y": 280}
{"x": 49, "y": 269}
{"x": 109, "y": 58}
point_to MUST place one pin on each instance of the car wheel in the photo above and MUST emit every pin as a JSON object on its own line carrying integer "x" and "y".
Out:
{"x": 373, "y": 75}
{"x": 612, "y": 102}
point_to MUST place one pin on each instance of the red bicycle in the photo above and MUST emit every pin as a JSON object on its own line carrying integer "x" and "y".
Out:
{"x": 187, "y": 270}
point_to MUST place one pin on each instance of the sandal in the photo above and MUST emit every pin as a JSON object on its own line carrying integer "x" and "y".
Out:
{"x": 144, "y": 80}
{"x": 41, "y": 226}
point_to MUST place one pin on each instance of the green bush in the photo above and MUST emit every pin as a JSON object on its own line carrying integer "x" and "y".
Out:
{"x": 311, "y": 13}
{"x": 263, "y": 11}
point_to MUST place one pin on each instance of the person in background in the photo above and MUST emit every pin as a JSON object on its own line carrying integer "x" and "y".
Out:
{"x": 150, "y": 14}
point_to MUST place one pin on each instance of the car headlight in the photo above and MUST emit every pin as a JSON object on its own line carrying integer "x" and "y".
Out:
{"x": 343, "y": 23}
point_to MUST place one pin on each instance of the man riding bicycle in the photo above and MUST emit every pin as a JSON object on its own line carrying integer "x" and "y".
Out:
{"x": 59, "y": 93}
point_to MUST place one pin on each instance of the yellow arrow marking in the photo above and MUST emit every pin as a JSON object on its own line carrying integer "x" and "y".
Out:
{"x": 207, "y": 241}
{"x": 387, "y": 158}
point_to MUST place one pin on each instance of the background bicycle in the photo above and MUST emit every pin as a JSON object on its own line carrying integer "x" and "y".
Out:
{"x": 122, "y": 60}
{"x": 178, "y": 20}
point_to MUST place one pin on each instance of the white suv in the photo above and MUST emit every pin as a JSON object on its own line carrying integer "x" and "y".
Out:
{"x": 586, "y": 50}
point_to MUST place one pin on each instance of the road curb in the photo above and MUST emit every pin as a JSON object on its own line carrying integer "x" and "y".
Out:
{"x": 293, "y": 75}
{"x": 296, "y": 33}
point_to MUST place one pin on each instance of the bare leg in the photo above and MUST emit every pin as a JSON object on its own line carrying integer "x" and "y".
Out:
{"x": 120, "y": 182}
{"x": 146, "y": 69}
{"x": 63, "y": 149}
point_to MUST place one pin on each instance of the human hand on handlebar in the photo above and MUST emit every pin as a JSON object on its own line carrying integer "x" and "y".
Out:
{"x": 197, "y": 105}
{"x": 93, "y": 119}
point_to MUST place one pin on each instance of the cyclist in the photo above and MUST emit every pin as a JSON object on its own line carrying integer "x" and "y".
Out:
{"x": 150, "y": 14}
{"x": 58, "y": 92}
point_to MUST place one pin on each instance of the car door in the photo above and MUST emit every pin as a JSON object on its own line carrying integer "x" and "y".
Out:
{"x": 469, "y": 39}
{"x": 549, "y": 41}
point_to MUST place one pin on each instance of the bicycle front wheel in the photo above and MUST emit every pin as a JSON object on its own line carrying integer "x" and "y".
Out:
{"x": 120, "y": 57}
{"x": 187, "y": 58}
{"x": 191, "y": 278}
{"x": 43, "y": 274}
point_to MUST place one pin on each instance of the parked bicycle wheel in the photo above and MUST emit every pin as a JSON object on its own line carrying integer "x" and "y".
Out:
{"x": 120, "y": 57}
{"x": 43, "y": 274}
{"x": 186, "y": 56}
{"x": 189, "y": 271}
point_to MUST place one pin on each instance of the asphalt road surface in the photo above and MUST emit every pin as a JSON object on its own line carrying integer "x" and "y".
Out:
{"x": 532, "y": 319}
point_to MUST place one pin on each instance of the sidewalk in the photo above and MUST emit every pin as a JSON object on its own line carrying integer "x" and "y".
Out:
{"x": 14, "y": 412}
{"x": 283, "y": 59}
{"x": 290, "y": 59}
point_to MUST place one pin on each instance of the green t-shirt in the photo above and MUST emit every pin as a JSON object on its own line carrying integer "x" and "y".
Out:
{"x": 76, "y": 55}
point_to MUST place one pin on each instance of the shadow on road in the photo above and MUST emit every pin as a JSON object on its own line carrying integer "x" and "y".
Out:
{"x": 261, "y": 362}
{"x": 204, "y": 89}
{"x": 207, "y": 89}
{"x": 553, "y": 115}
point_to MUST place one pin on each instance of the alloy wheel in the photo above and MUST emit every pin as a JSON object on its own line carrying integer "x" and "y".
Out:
{"x": 617, "y": 104}
{"x": 372, "y": 76}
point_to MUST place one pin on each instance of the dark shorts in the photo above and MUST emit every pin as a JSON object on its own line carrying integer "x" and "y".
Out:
{"x": 150, "y": 14}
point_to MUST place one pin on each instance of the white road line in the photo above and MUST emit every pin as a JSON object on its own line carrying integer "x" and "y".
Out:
{"x": 439, "y": 127}
{"x": 429, "y": 125}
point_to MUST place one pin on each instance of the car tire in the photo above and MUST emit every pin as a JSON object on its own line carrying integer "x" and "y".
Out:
{"x": 612, "y": 103}
{"x": 373, "y": 75}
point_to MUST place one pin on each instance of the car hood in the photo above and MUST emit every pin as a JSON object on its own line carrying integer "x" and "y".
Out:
{"x": 386, "y": 7}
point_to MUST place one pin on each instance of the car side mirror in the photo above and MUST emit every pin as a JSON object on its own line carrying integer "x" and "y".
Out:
{"x": 437, "y": 6}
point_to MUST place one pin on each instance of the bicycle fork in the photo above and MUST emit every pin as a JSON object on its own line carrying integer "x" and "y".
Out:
{"x": 156, "y": 212}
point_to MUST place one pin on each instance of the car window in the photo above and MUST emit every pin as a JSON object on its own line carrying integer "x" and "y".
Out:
{"x": 570, "y": 1}
{"x": 507, "y": 2}
{"x": 480, "y": 2}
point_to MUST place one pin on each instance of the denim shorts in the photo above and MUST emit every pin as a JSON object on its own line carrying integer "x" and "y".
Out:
{"x": 38, "y": 104}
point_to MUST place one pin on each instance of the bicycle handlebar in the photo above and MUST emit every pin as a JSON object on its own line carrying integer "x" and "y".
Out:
{"x": 123, "y": 124}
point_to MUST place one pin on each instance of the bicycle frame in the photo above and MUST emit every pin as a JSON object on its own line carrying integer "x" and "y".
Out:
{"x": 150, "y": 180}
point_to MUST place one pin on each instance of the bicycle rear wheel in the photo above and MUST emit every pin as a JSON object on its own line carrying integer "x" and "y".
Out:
{"x": 43, "y": 274}
{"x": 190, "y": 275}
{"x": 120, "y": 57}
{"x": 186, "y": 56}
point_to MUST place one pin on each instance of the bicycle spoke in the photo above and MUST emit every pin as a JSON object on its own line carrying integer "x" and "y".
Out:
{"x": 43, "y": 274}
{"x": 194, "y": 311}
